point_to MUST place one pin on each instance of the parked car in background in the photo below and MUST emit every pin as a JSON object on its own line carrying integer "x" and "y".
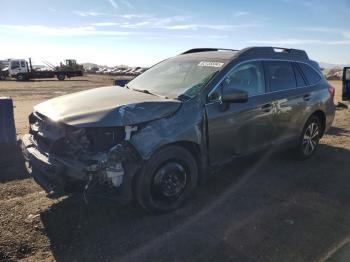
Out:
{"x": 168, "y": 128}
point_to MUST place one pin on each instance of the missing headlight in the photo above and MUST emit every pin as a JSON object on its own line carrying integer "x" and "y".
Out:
{"x": 102, "y": 139}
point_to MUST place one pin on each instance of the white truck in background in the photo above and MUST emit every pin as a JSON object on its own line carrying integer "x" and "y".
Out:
{"x": 22, "y": 70}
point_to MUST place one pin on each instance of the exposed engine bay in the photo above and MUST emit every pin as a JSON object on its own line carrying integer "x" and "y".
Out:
{"x": 97, "y": 153}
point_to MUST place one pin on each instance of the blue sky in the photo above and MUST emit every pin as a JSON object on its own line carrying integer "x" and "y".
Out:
{"x": 142, "y": 32}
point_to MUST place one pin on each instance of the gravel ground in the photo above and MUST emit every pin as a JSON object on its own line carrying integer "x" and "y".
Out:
{"x": 263, "y": 208}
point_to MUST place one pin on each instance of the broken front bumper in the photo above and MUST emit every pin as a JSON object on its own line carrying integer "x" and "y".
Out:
{"x": 55, "y": 173}
{"x": 52, "y": 173}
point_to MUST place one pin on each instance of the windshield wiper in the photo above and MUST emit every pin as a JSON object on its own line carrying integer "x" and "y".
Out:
{"x": 145, "y": 91}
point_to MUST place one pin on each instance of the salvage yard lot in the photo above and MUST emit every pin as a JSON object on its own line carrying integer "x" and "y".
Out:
{"x": 263, "y": 208}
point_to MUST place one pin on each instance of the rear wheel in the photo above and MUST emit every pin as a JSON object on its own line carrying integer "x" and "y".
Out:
{"x": 2, "y": 77}
{"x": 310, "y": 138}
{"x": 166, "y": 180}
{"x": 61, "y": 77}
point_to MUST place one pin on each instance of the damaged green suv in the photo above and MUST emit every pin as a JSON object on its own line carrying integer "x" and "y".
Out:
{"x": 154, "y": 139}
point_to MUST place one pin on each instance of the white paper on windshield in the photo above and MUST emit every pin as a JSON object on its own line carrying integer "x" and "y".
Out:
{"x": 210, "y": 64}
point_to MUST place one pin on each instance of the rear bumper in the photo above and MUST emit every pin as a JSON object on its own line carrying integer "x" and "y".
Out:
{"x": 329, "y": 122}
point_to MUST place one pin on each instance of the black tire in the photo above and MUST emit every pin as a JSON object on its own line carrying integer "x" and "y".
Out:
{"x": 61, "y": 77}
{"x": 309, "y": 138}
{"x": 166, "y": 180}
{"x": 2, "y": 77}
{"x": 20, "y": 77}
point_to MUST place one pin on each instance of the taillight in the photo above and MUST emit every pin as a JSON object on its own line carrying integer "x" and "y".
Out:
{"x": 331, "y": 90}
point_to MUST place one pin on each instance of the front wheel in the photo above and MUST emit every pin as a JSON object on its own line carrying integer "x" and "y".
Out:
{"x": 166, "y": 180}
{"x": 310, "y": 138}
{"x": 21, "y": 77}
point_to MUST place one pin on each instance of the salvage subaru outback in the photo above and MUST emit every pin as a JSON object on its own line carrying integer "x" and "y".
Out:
{"x": 154, "y": 139}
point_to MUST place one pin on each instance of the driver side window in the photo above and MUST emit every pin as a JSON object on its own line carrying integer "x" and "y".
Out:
{"x": 14, "y": 64}
{"x": 248, "y": 77}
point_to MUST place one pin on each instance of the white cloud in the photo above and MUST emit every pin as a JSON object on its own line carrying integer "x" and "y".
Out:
{"x": 340, "y": 31}
{"x": 299, "y": 42}
{"x": 209, "y": 26}
{"x": 196, "y": 27}
{"x": 83, "y": 53}
{"x": 127, "y": 3}
{"x": 113, "y": 3}
{"x": 89, "y": 13}
{"x": 149, "y": 21}
{"x": 98, "y": 14}
{"x": 346, "y": 34}
{"x": 104, "y": 24}
{"x": 62, "y": 31}
{"x": 178, "y": 23}
{"x": 241, "y": 13}
{"x": 136, "y": 16}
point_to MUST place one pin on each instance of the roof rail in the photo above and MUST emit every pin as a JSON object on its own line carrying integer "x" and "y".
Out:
{"x": 274, "y": 51}
{"x": 199, "y": 50}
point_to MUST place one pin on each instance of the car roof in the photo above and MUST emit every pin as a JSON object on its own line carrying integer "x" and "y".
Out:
{"x": 222, "y": 55}
{"x": 249, "y": 53}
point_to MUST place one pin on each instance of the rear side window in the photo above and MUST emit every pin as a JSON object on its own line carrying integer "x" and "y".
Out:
{"x": 298, "y": 76}
{"x": 280, "y": 75}
{"x": 311, "y": 75}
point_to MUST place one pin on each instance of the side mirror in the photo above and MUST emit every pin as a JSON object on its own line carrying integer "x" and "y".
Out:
{"x": 230, "y": 95}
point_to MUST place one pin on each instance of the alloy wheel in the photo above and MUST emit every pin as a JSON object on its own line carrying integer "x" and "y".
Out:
{"x": 311, "y": 138}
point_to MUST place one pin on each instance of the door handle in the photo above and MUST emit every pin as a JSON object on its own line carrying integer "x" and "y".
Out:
{"x": 266, "y": 108}
{"x": 307, "y": 97}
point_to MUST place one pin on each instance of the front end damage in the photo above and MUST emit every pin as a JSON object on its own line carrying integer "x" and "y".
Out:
{"x": 63, "y": 158}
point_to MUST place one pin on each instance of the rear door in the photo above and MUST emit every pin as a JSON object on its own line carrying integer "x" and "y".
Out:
{"x": 346, "y": 84}
{"x": 290, "y": 94}
{"x": 239, "y": 128}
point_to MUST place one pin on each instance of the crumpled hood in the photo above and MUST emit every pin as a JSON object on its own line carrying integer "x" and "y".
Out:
{"x": 107, "y": 107}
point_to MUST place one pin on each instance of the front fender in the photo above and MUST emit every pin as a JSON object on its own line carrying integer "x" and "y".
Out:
{"x": 185, "y": 125}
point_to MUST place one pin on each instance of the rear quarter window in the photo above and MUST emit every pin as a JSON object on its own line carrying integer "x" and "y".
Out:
{"x": 298, "y": 76}
{"x": 311, "y": 75}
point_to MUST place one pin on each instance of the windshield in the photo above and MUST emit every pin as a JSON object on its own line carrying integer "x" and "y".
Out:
{"x": 177, "y": 77}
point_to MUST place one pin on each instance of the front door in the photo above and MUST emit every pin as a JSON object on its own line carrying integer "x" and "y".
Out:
{"x": 346, "y": 84}
{"x": 15, "y": 67}
{"x": 237, "y": 129}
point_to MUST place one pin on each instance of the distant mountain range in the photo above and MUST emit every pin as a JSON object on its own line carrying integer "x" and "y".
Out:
{"x": 332, "y": 66}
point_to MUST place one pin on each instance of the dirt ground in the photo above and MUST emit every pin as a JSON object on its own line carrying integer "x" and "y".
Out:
{"x": 264, "y": 208}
